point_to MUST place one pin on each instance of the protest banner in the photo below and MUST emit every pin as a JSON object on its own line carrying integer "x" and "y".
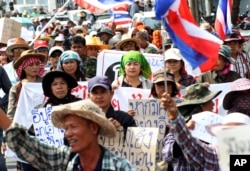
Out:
{"x": 149, "y": 113}
{"x": 139, "y": 147}
{"x": 202, "y": 120}
{"x": 9, "y": 28}
{"x": 232, "y": 141}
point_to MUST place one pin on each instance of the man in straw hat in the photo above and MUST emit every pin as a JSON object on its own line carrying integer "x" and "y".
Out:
{"x": 83, "y": 122}
{"x": 198, "y": 154}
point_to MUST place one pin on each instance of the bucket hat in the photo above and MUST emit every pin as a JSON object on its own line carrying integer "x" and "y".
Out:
{"x": 229, "y": 121}
{"x": 49, "y": 78}
{"x": 16, "y": 43}
{"x": 225, "y": 51}
{"x": 28, "y": 54}
{"x": 197, "y": 94}
{"x": 84, "y": 109}
{"x": 240, "y": 84}
{"x": 105, "y": 30}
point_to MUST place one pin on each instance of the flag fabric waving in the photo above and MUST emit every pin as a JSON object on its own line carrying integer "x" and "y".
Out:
{"x": 120, "y": 14}
{"x": 99, "y": 6}
{"x": 199, "y": 47}
{"x": 223, "y": 25}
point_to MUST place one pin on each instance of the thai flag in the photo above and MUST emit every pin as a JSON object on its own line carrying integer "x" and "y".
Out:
{"x": 120, "y": 15}
{"x": 197, "y": 46}
{"x": 223, "y": 25}
{"x": 99, "y": 6}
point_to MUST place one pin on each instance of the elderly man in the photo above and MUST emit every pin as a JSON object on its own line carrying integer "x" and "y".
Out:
{"x": 83, "y": 122}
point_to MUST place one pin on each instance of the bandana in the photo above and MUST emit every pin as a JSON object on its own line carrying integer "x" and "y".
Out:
{"x": 28, "y": 62}
{"x": 136, "y": 57}
{"x": 67, "y": 56}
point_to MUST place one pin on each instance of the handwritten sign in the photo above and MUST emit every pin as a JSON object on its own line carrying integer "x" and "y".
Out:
{"x": 44, "y": 129}
{"x": 150, "y": 114}
{"x": 139, "y": 147}
{"x": 232, "y": 141}
{"x": 202, "y": 120}
{"x": 9, "y": 28}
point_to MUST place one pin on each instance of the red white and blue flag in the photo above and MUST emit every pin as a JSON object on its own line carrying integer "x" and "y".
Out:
{"x": 99, "y": 6}
{"x": 223, "y": 25}
{"x": 120, "y": 15}
{"x": 199, "y": 47}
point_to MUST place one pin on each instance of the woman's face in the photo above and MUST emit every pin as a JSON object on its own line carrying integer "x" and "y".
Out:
{"x": 173, "y": 65}
{"x": 33, "y": 69}
{"x": 127, "y": 46}
{"x": 160, "y": 88}
{"x": 234, "y": 45}
{"x": 220, "y": 63}
{"x": 59, "y": 88}
{"x": 92, "y": 51}
{"x": 70, "y": 67}
{"x": 17, "y": 52}
{"x": 132, "y": 69}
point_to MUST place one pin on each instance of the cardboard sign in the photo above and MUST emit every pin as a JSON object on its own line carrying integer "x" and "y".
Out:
{"x": 139, "y": 146}
{"x": 9, "y": 28}
{"x": 149, "y": 113}
{"x": 233, "y": 141}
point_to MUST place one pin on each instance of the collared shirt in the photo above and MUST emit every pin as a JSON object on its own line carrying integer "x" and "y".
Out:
{"x": 198, "y": 155}
{"x": 48, "y": 157}
{"x": 241, "y": 64}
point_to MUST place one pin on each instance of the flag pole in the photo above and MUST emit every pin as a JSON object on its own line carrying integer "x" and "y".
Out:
{"x": 50, "y": 21}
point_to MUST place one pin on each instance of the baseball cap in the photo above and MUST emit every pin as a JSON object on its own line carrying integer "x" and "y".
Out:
{"x": 102, "y": 81}
{"x": 173, "y": 53}
{"x": 55, "y": 48}
{"x": 41, "y": 43}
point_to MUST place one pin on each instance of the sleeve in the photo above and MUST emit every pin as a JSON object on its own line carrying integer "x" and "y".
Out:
{"x": 12, "y": 99}
{"x": 197, "y": 153}
{"x": 38, "y": 154}
{"x": 5, "y": 84}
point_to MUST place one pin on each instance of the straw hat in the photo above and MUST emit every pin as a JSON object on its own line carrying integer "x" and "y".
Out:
{"x": 229, "y": 121}
{"x": 84, "y": 109}
{"x": 95, "y": 41}
{"x": 126, "y": 38}
{"x": 16, "y": 43}
{"x": 27, "y": 54}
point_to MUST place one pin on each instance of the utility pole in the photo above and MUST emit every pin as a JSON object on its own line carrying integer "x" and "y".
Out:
{"x": 208, "y": 7}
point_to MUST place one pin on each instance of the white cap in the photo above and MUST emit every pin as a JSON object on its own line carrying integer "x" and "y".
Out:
{"x": 55, "y": 48}
{"x": 59, "y": 38}
{"x": 86, "y": 23}
{"x": 173, "y": 53}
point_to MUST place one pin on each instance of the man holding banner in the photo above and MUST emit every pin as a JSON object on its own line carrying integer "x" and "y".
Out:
{"x": 83, "y": 122}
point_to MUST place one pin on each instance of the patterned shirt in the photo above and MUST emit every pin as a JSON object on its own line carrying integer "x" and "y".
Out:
{"x": 242, "y": 64}
{"x": 89, "y": 66}
{"x": 48, "y": 157}
{"x": 198, "y": 155}
{"x": 186, "y": 80}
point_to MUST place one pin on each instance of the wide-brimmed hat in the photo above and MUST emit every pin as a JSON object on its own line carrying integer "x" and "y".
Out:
{"x": 84, "y": 109}
{"x": 126, "y": 38}
{"x": 95, "y": 41}
{"x": 105, "y": 30}
{"x": 233, "y": 37}
{"x": 121, "y": 29}
{"x": 225, "y": 51}
{"x": 16, "y": 43}
{"x": 3, "y": 50}
{"x": 197, "y": 94}
{"x": 240, "y": 84}
{"x": 49, "y": 78}
{"x": 102, "y": 81}
{"x": 229, "y": 121}
{"x": 173, "y": 53}
{"x": 28, "y": 54}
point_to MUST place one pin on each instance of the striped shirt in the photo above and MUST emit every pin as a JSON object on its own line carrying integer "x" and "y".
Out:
{"x": 242, "y": 64}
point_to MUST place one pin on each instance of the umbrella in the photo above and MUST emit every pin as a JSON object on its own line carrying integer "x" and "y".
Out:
{"x": 22, "y": 20}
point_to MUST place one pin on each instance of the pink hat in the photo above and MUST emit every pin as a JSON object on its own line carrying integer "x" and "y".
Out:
{"x": 229, "y": 121}
{"x": 41, "y": 43}
{"x": 240, "y": 84}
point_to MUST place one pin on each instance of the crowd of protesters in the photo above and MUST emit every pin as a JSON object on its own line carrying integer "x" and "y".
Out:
{"x": 65, "y": 54}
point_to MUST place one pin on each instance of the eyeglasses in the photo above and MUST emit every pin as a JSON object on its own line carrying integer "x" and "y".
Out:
{"x": 42, "y": 49}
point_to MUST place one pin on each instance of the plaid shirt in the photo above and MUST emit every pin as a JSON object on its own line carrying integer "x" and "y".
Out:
{"x": 198, "y": 155}
{"x": 47, "y": 157}
{"x": 241, "y": 64}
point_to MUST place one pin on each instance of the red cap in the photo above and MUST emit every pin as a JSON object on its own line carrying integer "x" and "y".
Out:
{"x": 41, "y": 43}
